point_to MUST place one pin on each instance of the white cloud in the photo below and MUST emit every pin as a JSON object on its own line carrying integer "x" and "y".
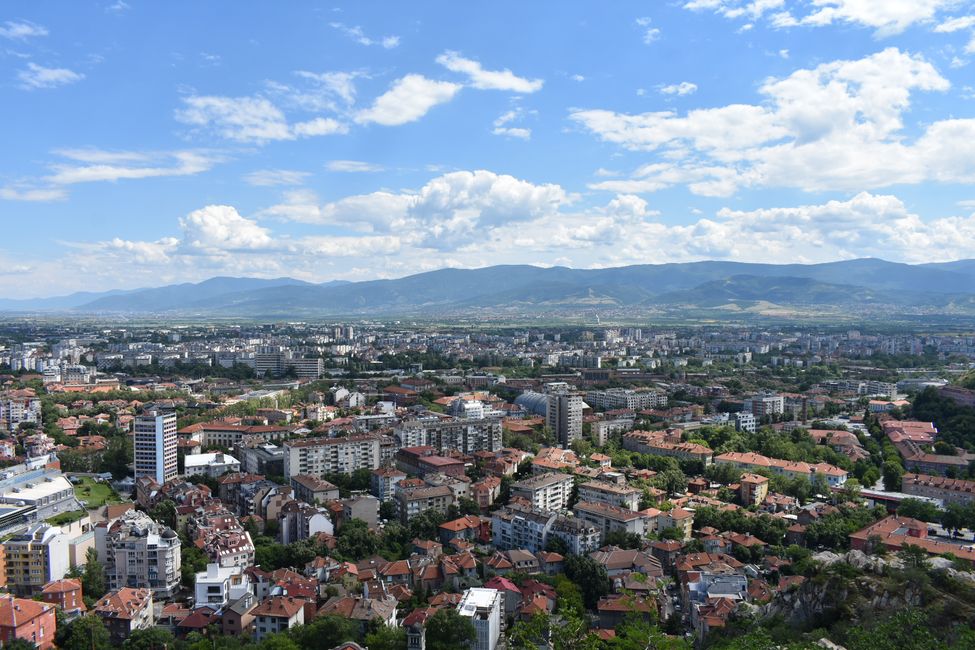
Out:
{"x": 450, "y": 210}
{"x": 577, "y": 77}
{"x": 250, "y": 119}
{"x": 488, "y": 79}
{"x": 502, "y": 125}
{"x": 270, "y": 177}
{"x": 40, "y": 195}
{"x": 887, "y": 17}
{"x": 357, "y": 35}
{"x": 838, "y": 126}
{"x": 337, "y": 84}
{"x": 683, "y": 88}
{"x": 221, "y": 227}
{"x": 97, "y": 165}
{"x": 407, "y": 100}
{"x": 650, "y": 34}
{"x": 35, "y": 76}
{"x": 352, "y": 166}
{"x": 319, "y": 126}
{"x": 19, "y": 30}
{"x": 955, "y": 24}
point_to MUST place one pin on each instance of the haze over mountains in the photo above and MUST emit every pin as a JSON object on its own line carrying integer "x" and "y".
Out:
{"x": 949, "y": 286}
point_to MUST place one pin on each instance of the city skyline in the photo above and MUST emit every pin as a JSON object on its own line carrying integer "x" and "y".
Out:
{"x": 343, "y": 142}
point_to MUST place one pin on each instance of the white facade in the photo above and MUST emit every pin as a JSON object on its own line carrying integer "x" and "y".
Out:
{"x": 155, "y": 446}
{"x": 219, "y": 585}
{"x": 212, "y": 465}
{"x": 485, "y": 609}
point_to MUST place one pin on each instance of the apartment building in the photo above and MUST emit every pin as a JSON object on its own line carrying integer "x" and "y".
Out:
{"x": 762, "y": 405}
{"x": 563, "y": 415}
{"x": 35, "y": 558}
{"x": 155, "y": 442}
{"x": 660, "y": 443}
{"x": 625, "y": 398}
{"x": 608, "y": 519}
{"x": 948, "y": 490}
{"x": 485, "y": 610}
{"x": 750, "y": 461}
{"x": 754, "y": 489}
{"x": 313, "y": 490}
{"x": 413, "y": 501}
{"x": 611, "y": 494}
{"x": 321, "y": 456}
{"x": 383, "y": 482}
{"x": 548, "y": 491}
{"x": 138, "y": 552}
{"x": 464, "y": 435}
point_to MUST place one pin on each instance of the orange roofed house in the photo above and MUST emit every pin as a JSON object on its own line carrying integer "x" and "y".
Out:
{"x": 28, "y": 620}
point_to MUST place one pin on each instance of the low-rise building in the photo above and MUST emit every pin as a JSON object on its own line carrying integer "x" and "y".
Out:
{"x": 610, "y": 493}
{"x": 313, "y": 490}
{"x": 27, "y": 620}
{"x": 947, "y": 490}
{"x": 125, "y": 610}
{"x": 485, "y": 610}
{"x": 212, "y": 465}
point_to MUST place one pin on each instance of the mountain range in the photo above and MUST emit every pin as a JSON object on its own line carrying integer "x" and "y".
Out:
{"x": 946, "y": 286}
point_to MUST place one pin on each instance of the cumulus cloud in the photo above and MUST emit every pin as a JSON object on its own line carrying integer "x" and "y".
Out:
{"x": 838, "y": 126}
{"x": 650, "y": 33}
{"x": 488, "y": 79}
{"x": 221, "y": 227}
{"x": 407, "y": 100}
{"x": 448, "y": 210}
{"x": 35, "y": 77}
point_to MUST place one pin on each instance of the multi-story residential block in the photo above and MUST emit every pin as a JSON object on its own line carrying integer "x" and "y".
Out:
{"x": 754, "y": 489}
{"x": 383, "y": 482}
{"x": 660, "y": 443}
{"x": 485, "y": 610}
{"x": 563, "y": 415}
{"x": 321, "y": 456}
{"x": 138, "y": 552}
{"x": 35, "y": 558}
{"x": 124, "y": 611}
{"x": 792, "y": 469}
{"x": 515, "y": 527}
{"x": 27, "y": 620}
{"x": 948, "y": 490}
{"x": 155, "y": 442}
{"x": 413, "y": 501}
{"x": 608, "y": 519}
{"x": 219, "y": 585}
{"x": 624, "y": 398}
{"x": 762, "y": 405}
{"x": 424, "y": 460}
{"x": 548, "y": 491}
{"x": 18, "y": 407}
{"x": 464, "y": 435}
{"x": 313, "y": 490}
{"x": 745, "y": 421}
{"x": 603, "y": 429}
{"x": 612, "y": 494}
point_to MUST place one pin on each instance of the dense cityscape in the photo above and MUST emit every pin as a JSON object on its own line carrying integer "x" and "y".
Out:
{"x": 629, "y": 325}
{"x": 319, "y": 485}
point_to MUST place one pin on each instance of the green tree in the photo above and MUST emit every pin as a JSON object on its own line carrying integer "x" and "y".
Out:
{"x": 892, "y": 473}
{"x": 93, "y": 576}
{"x": 386, "y": 638}
{"x": 153, "y": 638}
{"x": 278, "y": 642}
{"x": 591, "y": 577}
{"x": 356, "y": 541}
{"x": 448, "y": 630}
{"x": 325, "y": 632}
{"x": 87, "y": 633}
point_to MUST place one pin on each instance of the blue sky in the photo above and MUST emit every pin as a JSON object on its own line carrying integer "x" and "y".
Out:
{"x": 148, "y": 143}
